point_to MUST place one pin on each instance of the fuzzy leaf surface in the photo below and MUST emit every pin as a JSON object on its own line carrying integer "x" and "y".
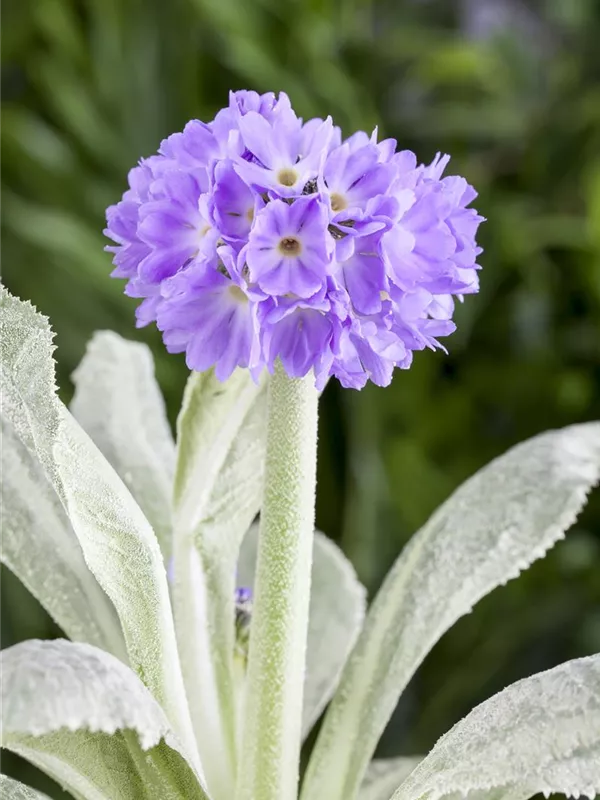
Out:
{"x": 384, "y": 775}
{"x": 87, "y": 720}
{"x": 122, "y": 551}
{"x": 38, "y": 543}
{"x": 541, "y": 734}
{"x": 27, "y": 372}
{"x": 118, "y": 543}
{"x": 493, "y": 527}
{"x": 118, "y": 403}
{"x": 15, "y": 790}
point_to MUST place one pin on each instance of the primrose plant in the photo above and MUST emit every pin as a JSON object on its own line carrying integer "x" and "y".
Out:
{"x": 204, "y": 645}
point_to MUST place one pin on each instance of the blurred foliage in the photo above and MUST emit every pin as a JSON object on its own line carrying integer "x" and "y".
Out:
{"x": 512, "y": 90}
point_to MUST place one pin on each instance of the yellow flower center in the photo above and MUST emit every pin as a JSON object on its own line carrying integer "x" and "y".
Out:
{"x": 287, "y": 176}
{"x": 338, "y": 202}
{"x": 237, "y": 294}
{"x": 289, "y": 246}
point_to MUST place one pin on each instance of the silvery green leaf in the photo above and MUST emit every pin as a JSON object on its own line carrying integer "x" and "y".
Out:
{"x": 493, "y": 527}
{"x": 87, "y": 720}
{"x": 491, "y": 794}
{"x": 117, "y": 541}
{"x": 384, "y": 775}
{"x": 119, "y": 404}
{"x": 27, "y": 375}
{"x": 218, "y": 424}
{"x": 218, "y": 487}
{"x": 337, "y": 609}
{"x": 38, "y": 544}
{"x": 15, "y": 790}
{"x": 120, "y": 548}
{"x": 541, "y": 734}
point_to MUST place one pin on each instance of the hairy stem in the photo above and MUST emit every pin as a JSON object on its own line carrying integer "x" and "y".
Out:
{"x": 276, "y": 661}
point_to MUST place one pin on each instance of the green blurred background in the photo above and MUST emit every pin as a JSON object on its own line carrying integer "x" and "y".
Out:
{"x": 512, "y": 90}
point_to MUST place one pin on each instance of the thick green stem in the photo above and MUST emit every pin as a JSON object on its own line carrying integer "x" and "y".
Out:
{"x": 276, "y": 662}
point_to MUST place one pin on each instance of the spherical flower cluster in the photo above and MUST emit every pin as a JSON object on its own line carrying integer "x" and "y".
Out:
{"x": 258, "y": 237}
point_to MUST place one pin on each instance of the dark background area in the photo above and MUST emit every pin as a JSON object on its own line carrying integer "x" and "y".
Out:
{"x": 512, "y": 90}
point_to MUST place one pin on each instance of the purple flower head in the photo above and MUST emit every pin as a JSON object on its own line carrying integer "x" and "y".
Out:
{"x": 259, "y": 237}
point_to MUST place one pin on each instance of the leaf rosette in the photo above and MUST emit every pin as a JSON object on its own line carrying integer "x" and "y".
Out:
{"x": 147, "y": 697}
